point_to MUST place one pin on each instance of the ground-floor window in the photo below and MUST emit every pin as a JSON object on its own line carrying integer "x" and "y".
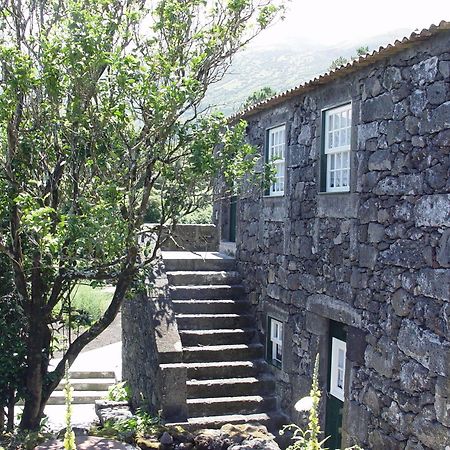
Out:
{"x": 275, "y": 342}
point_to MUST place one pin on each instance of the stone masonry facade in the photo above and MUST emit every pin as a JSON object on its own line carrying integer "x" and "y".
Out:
{"x": 376, "y": 258}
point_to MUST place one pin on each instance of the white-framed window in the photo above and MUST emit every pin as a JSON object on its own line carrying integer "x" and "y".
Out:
{"x": 338, "y": 122}
{"x": 337, "y": 379}
{"x": 275, "y": 342}
{"x": 276, "y": 150}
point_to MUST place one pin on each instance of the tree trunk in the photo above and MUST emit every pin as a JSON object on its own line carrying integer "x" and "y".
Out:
{"x": 37, "y": 364}
{"x": 11, "y": 404}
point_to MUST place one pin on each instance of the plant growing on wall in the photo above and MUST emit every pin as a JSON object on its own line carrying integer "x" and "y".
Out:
{"x": 309, "y": 439}
{"x": 99, "y": 103}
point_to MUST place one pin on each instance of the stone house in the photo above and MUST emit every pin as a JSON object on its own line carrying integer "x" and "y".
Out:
{"x": 347, "y": 253}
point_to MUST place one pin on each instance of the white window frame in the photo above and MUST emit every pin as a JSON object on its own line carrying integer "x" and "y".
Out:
{"x": 339, "y": 152}
{"x": 337, "y": 381}
{"x": 276, "y": 155}
{"x": 276, "y": 340}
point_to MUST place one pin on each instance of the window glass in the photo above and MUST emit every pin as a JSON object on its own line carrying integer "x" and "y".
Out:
{"x": 338, "y": 354}
{"x": 337, "y": 148}
{"x": 275, "y": 342}
{"x": 276, "y": 156}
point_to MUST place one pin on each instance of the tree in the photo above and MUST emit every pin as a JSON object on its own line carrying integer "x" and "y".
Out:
{"x": 342, "y": 61}
{"x": 258, "y": 96}
{"x": 99, "y": 106}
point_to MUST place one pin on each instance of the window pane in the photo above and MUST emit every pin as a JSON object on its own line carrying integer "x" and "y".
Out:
{"x": 332, "y": 162}
{"x": 338, "y": 178}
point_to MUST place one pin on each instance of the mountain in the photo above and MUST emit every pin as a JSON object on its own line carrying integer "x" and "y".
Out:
{"x": 282, "y": 66}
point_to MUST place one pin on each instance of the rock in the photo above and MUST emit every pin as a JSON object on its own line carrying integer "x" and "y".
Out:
{"x": 425, "y": 71}
{"x": 414, "y": 378}
{"x": 148, "y": 443}
{"x": 418, "y": 101}
{"x": 401, "y": 302}
{"x": 255, "y": 444}
{"x": 112, "y": 411}
{"x": 381, "y": 107}
{"x": 436, "y": 93}
{"x": 434, "y": 283}
{"x": 431, "y": 433}
{"x": 367, "y": 256}
{"x": 392, "y": 77}
{"x": 400, "y": 185}
{"x": 433, "y": 210}
{"x": 403, "y": 253}
{"x": 166, "y": 439}
{"x": 425, "y": 347}
{"x": 380, "y": 160}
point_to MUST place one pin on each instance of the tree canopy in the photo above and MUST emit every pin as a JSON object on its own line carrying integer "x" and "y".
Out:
{"x": 99, "y": 110}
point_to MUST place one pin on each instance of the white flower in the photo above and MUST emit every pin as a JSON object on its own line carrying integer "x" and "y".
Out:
{"x": 304, "y": 404}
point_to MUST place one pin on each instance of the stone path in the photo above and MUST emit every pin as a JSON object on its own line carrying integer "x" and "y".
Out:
{"x": 87, "y": 442}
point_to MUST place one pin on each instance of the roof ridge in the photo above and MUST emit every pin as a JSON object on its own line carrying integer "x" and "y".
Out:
{"x": 382, "y": 52}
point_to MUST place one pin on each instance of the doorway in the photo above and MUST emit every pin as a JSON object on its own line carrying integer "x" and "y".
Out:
{"x": 337, "y": 349}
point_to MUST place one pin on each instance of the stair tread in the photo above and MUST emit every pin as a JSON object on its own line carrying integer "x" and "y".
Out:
{"x": 211, "y": 316}
{"x": 243, "y": 380}
{"x": 74, "y": 381}
{"x": 229, "y": 418}
{"x": 202, "y": 272}
{"x": 246, "y": 363}
{"x": 219, "y": 330}
{"x": 206, "y": 286}
{"x": 208, "y": 301}
{"x": 197, "y": 255}
{"x": 98, "y": 394}
{"x": 241, "y": 398}
{"x": 222, "y": 347}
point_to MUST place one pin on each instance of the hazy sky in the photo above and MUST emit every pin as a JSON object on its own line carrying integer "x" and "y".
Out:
{"x": 328, "y": 22}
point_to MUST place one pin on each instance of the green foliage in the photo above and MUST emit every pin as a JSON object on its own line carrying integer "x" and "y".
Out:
{"x": 342, "y": 61}
{"x": 99, "y": 113}
{"x": 309, "y": 439}
{"x": 200, "y": 216}
{"x": 93, "y": 301}
{"x": 258, "y": 96}
{"x": 141, "y": 424}
{"x": 13, "y": 334}
{"x": 119, "y": 392}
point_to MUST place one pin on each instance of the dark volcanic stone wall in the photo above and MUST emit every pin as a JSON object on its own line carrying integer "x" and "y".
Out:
{"x": 377, "y": 258}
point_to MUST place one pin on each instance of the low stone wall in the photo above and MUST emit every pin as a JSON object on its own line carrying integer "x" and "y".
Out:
{"x": 150, "y": 341}
{"x": 191, "y": 237}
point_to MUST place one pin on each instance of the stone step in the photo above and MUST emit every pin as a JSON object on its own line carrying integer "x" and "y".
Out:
{"x": 229, "y": 387}
{"x": 79, "y": 398}
{"x": 216, "y": 406}
{"x": 189, "y": 277}
{"x": 191, "y": 338}
{"x": 89, "y": 384}
{"x": 211, "y": 353}
{"x": 210, "y": 306}
{"x": 203, "y": 261}
{"x": 221, "y": 369}
{"x": 213, "y": 321}
{"x": 197, "y": 423}
{"x": 92, "y": 374}
{"x": 218, "y": 291}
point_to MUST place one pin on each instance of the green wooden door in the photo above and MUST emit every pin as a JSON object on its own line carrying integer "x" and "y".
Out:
{"x": 336, "y": 377}
{"x": 233, "y": 219}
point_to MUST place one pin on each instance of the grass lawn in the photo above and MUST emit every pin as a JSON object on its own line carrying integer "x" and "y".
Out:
{"x": 92, "y": 300}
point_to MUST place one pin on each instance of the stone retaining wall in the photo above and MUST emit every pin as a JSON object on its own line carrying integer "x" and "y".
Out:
{"x": 376, "y": 258}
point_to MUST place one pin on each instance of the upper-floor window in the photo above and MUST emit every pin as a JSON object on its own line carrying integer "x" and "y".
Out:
{"x": 337, "y": 140}
{"x": 338, "y": 355}
{"x": 275, "y": 342}
{"x": 276, "y": 146}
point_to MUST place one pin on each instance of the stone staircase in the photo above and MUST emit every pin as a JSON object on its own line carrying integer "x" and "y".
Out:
{"x": 227, "y": 377}
{"x": 88, "y": 386}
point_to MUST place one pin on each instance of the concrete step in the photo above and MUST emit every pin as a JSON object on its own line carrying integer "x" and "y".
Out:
{"x": 91, "y": 374}
{"x": 191, "y": 338}
{"x": 79, "y": 398}
{"x": 229, "y": 387}
{"x": 221, "y": 369}
{"x": 203, "y": 261}
{"x": 213, "y": 321}
{"x": 89, "y": 384}
{"x": 210, "y": 306}
{"x": 216, "y": 406}
{"x": 211, "y": 353}
{"x": 189, "y": 277}
{"x": 218, "y": 291}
